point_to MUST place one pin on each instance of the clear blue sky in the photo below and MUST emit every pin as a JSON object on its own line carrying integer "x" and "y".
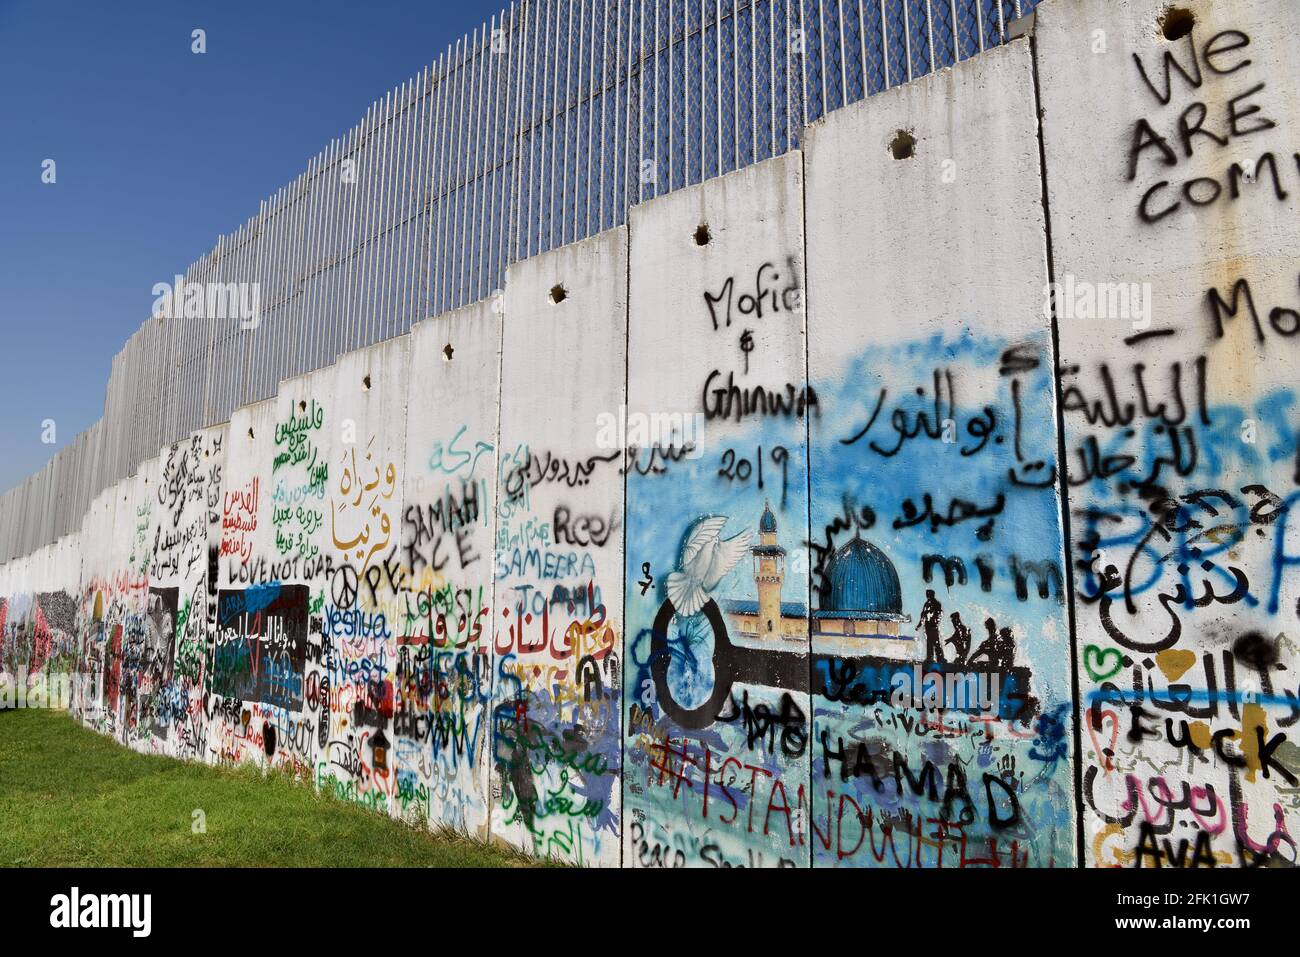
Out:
{"x": 158, "y": 150}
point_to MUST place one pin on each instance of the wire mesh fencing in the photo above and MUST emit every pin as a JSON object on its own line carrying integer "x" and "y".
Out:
{"x": 538, "y": 129}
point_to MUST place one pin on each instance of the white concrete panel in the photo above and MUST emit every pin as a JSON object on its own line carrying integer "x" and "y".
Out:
{"x": 936, "y": 559}
{"x": 129, "y": 647}
{"x": 1176, "y": 252}
{"x": 97, "y": 536}
{"x": 363, "y": 509}
{"x": 297, "y": 470}
{"x": 717, "y": 708}
{"x": 186, "y": 501}
{"x": 444, "y": 701}
{"x": 243, "y": 645}
{"x": 559, "y": 586}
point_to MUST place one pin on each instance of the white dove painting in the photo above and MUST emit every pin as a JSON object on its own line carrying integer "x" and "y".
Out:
{"x": 705, "y": 560}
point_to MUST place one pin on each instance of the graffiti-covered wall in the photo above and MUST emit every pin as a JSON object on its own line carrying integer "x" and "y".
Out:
{"x": 942, "y": 692}
{"x": 1180, "y": 419}
{"x": 919, "y": 499}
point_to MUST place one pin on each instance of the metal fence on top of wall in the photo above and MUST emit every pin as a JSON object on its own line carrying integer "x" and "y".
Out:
{"x": 538, "y": 129}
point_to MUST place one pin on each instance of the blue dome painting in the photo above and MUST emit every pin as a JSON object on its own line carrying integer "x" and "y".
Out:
{"x": 863, "y": 585}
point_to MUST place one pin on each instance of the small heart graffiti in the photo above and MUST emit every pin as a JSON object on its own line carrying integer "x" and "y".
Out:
{"x": 1095, "y": 661}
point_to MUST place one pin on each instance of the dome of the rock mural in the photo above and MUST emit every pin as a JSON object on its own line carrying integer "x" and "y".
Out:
{"x": 767, "y": 524}
{"x": 863, "y": 581}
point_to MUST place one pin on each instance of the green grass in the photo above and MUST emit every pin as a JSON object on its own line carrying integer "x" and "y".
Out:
{"x": 72, "y": 798}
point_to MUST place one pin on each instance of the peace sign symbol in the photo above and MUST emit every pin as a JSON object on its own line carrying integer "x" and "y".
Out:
{"x": 344, "y": 587}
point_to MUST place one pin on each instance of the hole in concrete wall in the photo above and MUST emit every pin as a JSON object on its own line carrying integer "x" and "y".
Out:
{"x": 366, "y": 382}
{"x": 903, "y": 145}
{"x": 559, "y": 293}
{"x": 447, "y": 352}
{"x": 1176, "y": 23}
{"x": 302, "y": 405}
{"x": 250, "y": 433}
{"x": 702, "y": 235}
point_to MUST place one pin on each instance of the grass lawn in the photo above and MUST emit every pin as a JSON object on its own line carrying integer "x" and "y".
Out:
{"x": 71, "y": 798}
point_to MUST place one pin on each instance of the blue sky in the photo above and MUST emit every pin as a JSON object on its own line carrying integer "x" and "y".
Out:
{"x": 159, "y": 150}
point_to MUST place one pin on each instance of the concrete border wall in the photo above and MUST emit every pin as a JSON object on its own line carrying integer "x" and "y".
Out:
{"x": 1175, "y": 256}
{"x": 919, "y": 499}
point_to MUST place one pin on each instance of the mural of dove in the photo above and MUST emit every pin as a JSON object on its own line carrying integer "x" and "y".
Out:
{"x": 706, "y": 559}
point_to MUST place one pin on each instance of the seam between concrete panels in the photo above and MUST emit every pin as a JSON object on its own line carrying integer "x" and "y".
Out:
{"x": 622, "y": 678}
{"x": 496, "y": 503}
{"x": 1062, "y": 483}
{"x": 798, "y": 159}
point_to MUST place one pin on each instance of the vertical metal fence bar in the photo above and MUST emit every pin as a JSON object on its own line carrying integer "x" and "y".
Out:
{"x": 884, "y": 42}
{"x": 753, "y": 81}
{"x": 446, "y": 176}
{"x": 210, "y": 330}
{"x": 418, "y": 261}
{"x": 436, "y": 179}
{"x": 350, "y": 243}
{"x": 343, "y": 191}
{"x": 421, "y": 252}
{"x": 929, "y": 29}
{"x": 317, "y": 307}
{"x": 718, "y": 81}
{"x": 907, "y": 39}
{"x": 305, "y": 324}
{"x": 460, "y": 181}
{"x": 258, "y": 365}
{"x": 398, "y": 269}
{"x": 370, "y": 207}
{"x": 272, "y": 340}
{"x": 735, "y": 88}
{"x": 400, "y": 316}
{"x": 530, "y": 125}
{"x": 604, "y": 108}
{"x": 374, "y": 304}
{"x": 518, "y": 136}
{"x": 385, "y": 300}
{"x": 495, "y": 160}
{"x": 281, "y": 272}
{"x": 487, "y": 103}
{"x": 821, "y": 56}
{"x": 465, "y": 191}
{"x": 549, "y": 117}
{"x": 803, "y": 74}
{"x": 844, "y": 53}
{"x": 771, "y": 75}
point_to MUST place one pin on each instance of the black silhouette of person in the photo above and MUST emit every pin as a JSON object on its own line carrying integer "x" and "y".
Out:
{"x": 960, "y": 639}
{"x": 931, "y": 613}
{"x": 998, "y": 650}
